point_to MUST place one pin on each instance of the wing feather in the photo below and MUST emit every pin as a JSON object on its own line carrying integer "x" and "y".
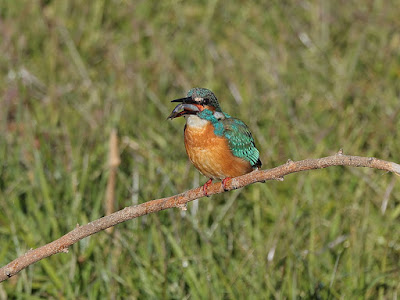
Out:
{"x": 241, "y": 142}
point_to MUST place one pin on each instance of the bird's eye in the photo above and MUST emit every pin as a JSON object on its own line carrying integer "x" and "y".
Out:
{"x": 205, "y": 101}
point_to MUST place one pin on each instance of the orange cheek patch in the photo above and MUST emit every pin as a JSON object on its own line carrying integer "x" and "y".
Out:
{"x": 200, "y": 107}
{"x": 212, "y": 108}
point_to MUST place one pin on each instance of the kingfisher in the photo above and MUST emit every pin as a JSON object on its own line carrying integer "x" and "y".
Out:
{"x": 218, "y": 145}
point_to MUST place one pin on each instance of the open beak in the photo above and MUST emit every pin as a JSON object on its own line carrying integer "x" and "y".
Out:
{"x": 186, "y": 107}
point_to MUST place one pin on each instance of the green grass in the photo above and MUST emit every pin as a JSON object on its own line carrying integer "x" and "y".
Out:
{"x": 308, "y": 78}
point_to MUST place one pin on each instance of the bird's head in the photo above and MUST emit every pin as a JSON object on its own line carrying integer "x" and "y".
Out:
{"x": 197, "y": 100}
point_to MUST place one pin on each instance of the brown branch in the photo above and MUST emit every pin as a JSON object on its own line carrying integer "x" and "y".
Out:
{"x": 180, "y": 201}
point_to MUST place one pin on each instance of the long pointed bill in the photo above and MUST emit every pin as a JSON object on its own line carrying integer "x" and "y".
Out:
{"x": 184, "y": 109}
{"x": 183, "y": 100}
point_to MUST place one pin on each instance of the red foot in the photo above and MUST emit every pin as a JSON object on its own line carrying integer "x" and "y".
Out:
{"x": 225, "y": 181}
{"x": 206, "y": 185}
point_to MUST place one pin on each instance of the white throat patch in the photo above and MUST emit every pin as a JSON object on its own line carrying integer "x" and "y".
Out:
{"x": 195, "y": 121}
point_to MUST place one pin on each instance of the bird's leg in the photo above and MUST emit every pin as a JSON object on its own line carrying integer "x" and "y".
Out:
{"x": 225, "y": 181}
{"x": 206, "y": 185}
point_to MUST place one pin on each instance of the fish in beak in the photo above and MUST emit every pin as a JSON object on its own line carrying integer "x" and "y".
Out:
{"x": 186, "y": 106}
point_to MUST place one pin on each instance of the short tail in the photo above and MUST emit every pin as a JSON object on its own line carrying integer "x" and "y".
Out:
{"x": 258, "y": 164}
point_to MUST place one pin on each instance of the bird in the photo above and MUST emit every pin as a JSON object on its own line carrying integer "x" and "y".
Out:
{"x": 219, "y": 146}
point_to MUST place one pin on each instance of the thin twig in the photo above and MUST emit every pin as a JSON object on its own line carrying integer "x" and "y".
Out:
{"x": 180, "y": 201}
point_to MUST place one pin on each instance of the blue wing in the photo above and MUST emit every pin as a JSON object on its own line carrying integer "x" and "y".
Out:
{"x": 241, "y": 141}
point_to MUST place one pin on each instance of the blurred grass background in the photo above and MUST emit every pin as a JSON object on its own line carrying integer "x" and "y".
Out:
{"x": 308, "y": 77}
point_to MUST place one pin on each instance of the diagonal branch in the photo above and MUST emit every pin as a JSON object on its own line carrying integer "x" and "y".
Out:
{"x": 180, "y": 201}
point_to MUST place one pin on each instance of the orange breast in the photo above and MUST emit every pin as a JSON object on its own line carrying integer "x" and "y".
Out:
{"x": 211, "y": 155}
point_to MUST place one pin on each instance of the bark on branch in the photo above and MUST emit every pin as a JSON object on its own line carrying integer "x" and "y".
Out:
{"x": 180, "y": 201}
